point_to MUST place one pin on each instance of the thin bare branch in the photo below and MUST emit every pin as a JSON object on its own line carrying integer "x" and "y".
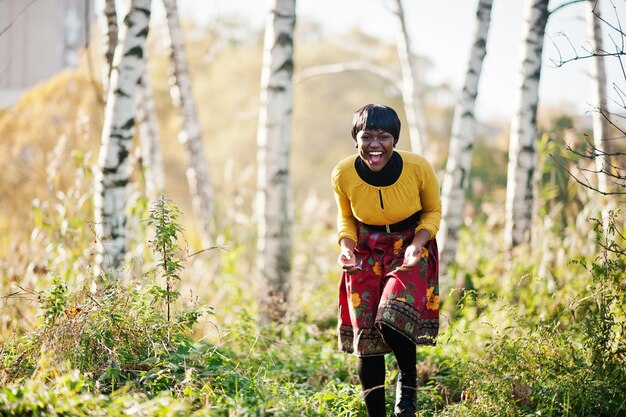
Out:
{"x": 606, "y": 114}
{"x": 207, "y": 249}
{"x": 588, "y": 183}
{"x": 565, "y": 5}
{"x": 617, "y": 28}
{"x": 12, "y": 22}
{"x": 344, "y": 67}
{"x": 591, "y": 152}
{"x": 560, "y": 62}
{"x": 620, "y": 47}
{"x": 613, "y": 248}
{"x": 590, "y": 55}
{"x": 621, "y": 94}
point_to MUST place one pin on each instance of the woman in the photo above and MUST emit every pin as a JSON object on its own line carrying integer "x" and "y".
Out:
{"x": 389, "y": 212}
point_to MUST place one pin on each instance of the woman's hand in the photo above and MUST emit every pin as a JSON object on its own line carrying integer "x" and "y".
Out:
{"x": 347, "y": 259}
{"x": 413, "y": 252}
{"x": 412, "y": 255}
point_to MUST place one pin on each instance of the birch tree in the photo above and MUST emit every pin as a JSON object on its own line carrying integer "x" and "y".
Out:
{"x": 456, "y": 178}
{"x": 109, "y": 30}
{"x": 150, "y": 150}
{"x": 410, "y": 93}
{"x": 201, "y": 188}
{"x": 599, "y": 102}
{"x": 520, "y": 187}
{"x": 113, "y": 171}
{"x": 273, "y": 197}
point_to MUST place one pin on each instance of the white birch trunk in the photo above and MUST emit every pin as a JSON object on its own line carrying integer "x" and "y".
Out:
{"x": 520, "y": 190}
{"x": 456, "y": 178}
{"x": 113, "y": 171}
{"x": 198, "y": 178}
{"x": 152, "y": 158}
{"x": 273, "y": 139}
{"x": 410, "y": 92}
{"x": 109, "y": 30}
{"x": 599, "y": 102}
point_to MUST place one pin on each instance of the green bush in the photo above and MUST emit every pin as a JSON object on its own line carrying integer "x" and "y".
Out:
{"x": 570, "y": 363}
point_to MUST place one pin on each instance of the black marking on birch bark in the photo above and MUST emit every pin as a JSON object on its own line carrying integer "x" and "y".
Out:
{"x": 122, "y": 154}
{"x": 135, "y": 51}
{"x": 484, "y": 8}
{"x": 128, "y": 125}
{"x": 143, "y": 10}
{"x": 284, "y": 15}
{"x": 120, "y": 137}
{"x": 536, "y": 74}
{"x": 287, "y": 65}
{"x": 279, "y": 176}
{"x": 128, "y": 22}
{"x": 482, "y": 42}
{"x": 533, "y": 114}
{"x": 143, "y": 33}
{"x": 468, "y": 113}
{"x": 121, "y": 183}
{"x": 542, "y": 20}
{"x": 463, "y": 177}
{"x": 529, "y": 184}
{"x": 115, "y": 236}
{"x": 277, "y": 88}
{"x": 284, "y": 39}
{"x": 121, "y": 93}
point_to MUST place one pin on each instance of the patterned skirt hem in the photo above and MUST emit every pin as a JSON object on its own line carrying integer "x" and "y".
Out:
{"x": 368, "y": 342}
{"x": 406, "y": 320}
{"x": 401, "y": 317}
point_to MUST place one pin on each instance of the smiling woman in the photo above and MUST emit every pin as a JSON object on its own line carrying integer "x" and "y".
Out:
{"x": 389, "y": 213}
{"x": 376, "y": 131}
{"x": 375, "y": 148}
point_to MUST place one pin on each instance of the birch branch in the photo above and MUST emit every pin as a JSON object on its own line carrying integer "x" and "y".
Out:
{"x": 345, "y": 67}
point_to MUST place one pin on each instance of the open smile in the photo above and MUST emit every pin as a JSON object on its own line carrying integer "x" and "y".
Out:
{"x": 375, "y": 157}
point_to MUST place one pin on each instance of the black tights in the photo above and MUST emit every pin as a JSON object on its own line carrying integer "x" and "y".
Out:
{"x": 371, "y": 371}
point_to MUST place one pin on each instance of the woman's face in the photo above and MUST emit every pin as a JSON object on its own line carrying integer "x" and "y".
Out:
{"x": 375, "y": 148}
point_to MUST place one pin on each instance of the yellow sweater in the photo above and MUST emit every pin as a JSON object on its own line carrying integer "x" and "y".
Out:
{"x": 416, "y": 189}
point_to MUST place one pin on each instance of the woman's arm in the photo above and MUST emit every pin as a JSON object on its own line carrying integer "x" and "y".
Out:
{"x": 431, "y": 202}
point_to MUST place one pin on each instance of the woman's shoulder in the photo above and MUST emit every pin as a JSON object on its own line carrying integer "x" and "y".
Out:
{"x": 345, "y": 165}
{"x": 410, "y": 158}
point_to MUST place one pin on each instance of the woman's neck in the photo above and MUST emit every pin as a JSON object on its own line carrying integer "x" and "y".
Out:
{"x": 388, "y": 175}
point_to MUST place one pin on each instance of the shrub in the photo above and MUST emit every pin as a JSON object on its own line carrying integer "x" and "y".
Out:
{"x": 545, "y": 365}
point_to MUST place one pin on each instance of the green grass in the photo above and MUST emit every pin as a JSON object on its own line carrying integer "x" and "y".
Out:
{"x": 116, "y": 351}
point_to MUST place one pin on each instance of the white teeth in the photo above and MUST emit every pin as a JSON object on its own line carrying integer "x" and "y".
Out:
{"x": 376, "y": 153}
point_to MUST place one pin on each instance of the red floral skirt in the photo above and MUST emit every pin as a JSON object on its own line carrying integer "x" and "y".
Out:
{"x": 405, "y": 300}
